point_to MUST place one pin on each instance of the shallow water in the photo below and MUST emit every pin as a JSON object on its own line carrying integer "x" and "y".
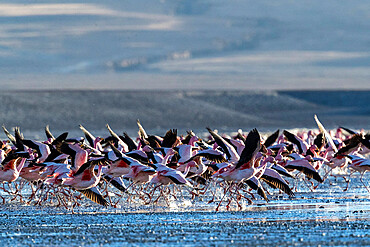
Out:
{"x": 319, "y": 225}
{"x": 325, "y": 217}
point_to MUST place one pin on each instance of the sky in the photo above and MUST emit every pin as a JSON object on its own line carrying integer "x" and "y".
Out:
{"x": 248, "y": 45}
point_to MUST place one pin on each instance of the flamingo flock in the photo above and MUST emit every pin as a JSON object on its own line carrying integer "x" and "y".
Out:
{"x": 229, "y": 170}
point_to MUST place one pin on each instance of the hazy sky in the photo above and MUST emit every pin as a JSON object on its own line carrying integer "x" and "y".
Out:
{"x": 185, "y": 44}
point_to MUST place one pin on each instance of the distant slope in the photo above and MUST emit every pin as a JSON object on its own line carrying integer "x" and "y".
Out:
{"x": 160, "y": 110}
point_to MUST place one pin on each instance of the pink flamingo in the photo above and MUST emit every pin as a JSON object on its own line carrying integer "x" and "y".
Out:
{"x": 303, "y": 165}
{"x": 140, "y": 174}
{"x": 361, "y": 165}
{"x": 302, "y": 145}
{"x": 85, "y": 177}
{"x": 12, "y": 164}
{"x": 245, "y": 168}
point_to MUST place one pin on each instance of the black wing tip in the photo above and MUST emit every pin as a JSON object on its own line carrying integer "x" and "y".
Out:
{"x": 277, "y": 184}
{"x": 275, "y": 135}
{"x": 209, "y": 130}
{"x": 62, "y": 137}
{"x": 97, "y": 198}
{"x": 116, "y": 184}
{"x": 253, "y": 134}
{"x": 262, "y": 193}
{"x": 287, "y": 132}
{"x": 312, "y": 174}
{"x": 318, "y": 179}
{"x": 348, "y": 130}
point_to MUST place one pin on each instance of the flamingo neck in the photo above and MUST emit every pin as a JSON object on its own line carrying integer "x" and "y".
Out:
{"x": 21, "y": 164}
{"x": 99, "y": 171}
{"x": 193, "y": 140}
{"x": 187, "y": 169}
{"x": 165, "y": 158}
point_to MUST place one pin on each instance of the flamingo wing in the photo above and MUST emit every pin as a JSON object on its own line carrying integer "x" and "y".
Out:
{"x": 255, "y": 184}
{"x": 271, "y": 139}
{"x": 49, "y": 135}
{"x": 170, "y": 138}
{"x": 274, "y": 180}
{"x": 89, "y": 137}
{"x": 94, "y": 195}
{"x": 209, "y": 154}
{"x": 306, "y": 168}
{"x": 252, "y": 146}
{"x": 295, "y": 140}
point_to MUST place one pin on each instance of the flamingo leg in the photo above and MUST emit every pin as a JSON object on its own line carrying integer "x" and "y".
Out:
{"x": 239, "y": 196}
{"x": 204, "y": 189}
{"x": 142, "y": 194}
{"x": 160, "y": 193}
{"x": 327, "y": 174}
{"x": 166, "y": 198}
{"x": 61, "y": 201}
{"x": 3, "y": 198}
{"x": 305, "y": 181}
{"x": 179, "y": 190}
{"x": 362, "y": 181}
{"x": 227, "y": 190}
{"x": 249, "y": 193}
{"x": 213, "y": 197}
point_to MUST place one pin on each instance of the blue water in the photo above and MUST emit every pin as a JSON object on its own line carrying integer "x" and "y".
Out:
{"x": 333, "y": 221}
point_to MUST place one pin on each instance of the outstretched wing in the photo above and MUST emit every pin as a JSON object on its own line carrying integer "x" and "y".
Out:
{"x": 252, "y": 146}
{"x": 326, "y": 134}
{"x": 49, "y": 135}
{"x": 130, "y": 143}
{"x": 89, "y": 137}
{"x": 271, "y": 139}
{"x": 169, "y": 139}
{"x": 10, "y": 136}
{"x": 142, "y": 133}
{"x": 209, "y": 154}
{"x": 94, "y": 195}
{"x": 295, "y": 140}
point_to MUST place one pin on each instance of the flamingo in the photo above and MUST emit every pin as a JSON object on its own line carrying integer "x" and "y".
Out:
{"x": 352, "y": 145}
{"x": 122, "y": 146}
{"x": 274, "y": 180}
{"x": 165, "y": 176}
{"x": 303, "y": 165}
{"x": 78, "y": 155}
{"x": 85, "y": 177}
{"x": 12, "y": 164}
{"x": 361, "y": 165}
{"x": 32, "y": 171}
{"x": 93, "y": 141}
{"x": 271, "y": 139}
{"x": 245, "y": 167}
{"x": 302, "y": 145}
{"x": 120, "y": 163}
{"x": 140, "y": 174}
{"x": 43, "y": 150}
{"x": 226, "y": 147}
